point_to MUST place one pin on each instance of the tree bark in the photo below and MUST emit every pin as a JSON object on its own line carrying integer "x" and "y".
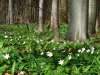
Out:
{"x": 41, "y": 27}
{"x": 78, "y": 28}
{"x": 92, "y": 17}
{"x": 98, "y": 16}
{"x": 11, "y": 11}
{"x": 54, "y": 19}
{"x": 64, "y": 11}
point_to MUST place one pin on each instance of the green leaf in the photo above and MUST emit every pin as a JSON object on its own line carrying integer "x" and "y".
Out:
{"x": 13, "y": 68}
{"x": 47, "y": 67}
{"x": 87, "y": 68}
{"x": 21, "y": 66}
{"x": 1, "y": 58}
{"x": 1, "y": 43}
{"x": 60, "y": 69}
{"x": 67, "y": 69}
{"x": 1, "y": 73}
{"x": 75, "y": 69}
{"x": 65, "y": 61}
{"x": 3, "y": 68}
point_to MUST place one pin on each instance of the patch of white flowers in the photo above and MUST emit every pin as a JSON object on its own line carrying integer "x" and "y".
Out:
{"x": 82, "y": 50}
{"x": 49, "y": 54}
{"x": 91, "y": 49}
{"x": 5, "y": 56}
{"x": 5, "y": 36}
{"x": 88, "y": 50}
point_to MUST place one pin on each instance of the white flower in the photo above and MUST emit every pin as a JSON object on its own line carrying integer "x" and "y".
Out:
{"x": 63, "y": 51}
{"x": 78, "y": 54}
{"x": 64, "y": 42}
{"x": 92, "y": 48}
{"x": 69, "y": 57}
{"x": 70, "y": 53}
{"x": 88, "y": 50}
{"x": 54, "y": 48}
{"x": 41, "y": 67}
{"x": 5, "y": 32}
{"x": 49, "y": 54}
{"x": 97, "y": 52}
{"x": 11, "y": 39}
{"x": 61, "y": 62}
{"x": 92, "y": 51}
{"x": 24, "y": 42}
{"x": 37, "y": 41}
{"x": 57, "y": 42}
{"x": 42, "y": 53}
{"x": 6, "y": 36}
{"x": 52, "y": 40}
{"x": 41, "y": 40}
{"x": 77, "y": 40}
{"x": 79, "y": 50}
{"x": 83, "y": 49}
{"x": 6, "y": 56}
{"x": 28, "y": 38}
{"x": 20, "y": 37}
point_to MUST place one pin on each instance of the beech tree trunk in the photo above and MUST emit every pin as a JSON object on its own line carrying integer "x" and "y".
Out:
{"x": 64, "y": 11}
{"x": 78, "y": 28}
{"x": 92, "y": 17}
{"x": 11, "y": 11}
{"x": 41, "y": 27}
{"x": 54, "y": 19}
{"x": 98, "y": 16}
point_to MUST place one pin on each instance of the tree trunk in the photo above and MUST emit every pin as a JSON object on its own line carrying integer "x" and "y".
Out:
{"x": 78, "y": 29}
{"x": 92, "y": 17}
{"x": 64, "y": 11}
{"x": 98, "y": 16}
{"x": 11, "y": 11}
{"x": 54, "y": 19}
{"x": 41, "y": 27}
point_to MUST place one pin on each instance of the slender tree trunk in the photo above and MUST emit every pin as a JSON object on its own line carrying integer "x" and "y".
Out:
{"x": 11, "y": 11}
{"x": 78, "y": 29}
{"x": 64, "y": 11}
{"x": 41, "y": 27}
{"x": 54, "y": 19}
{"x": 59, "y": 11}
{"x": 97, "y": 17}
{"x": 92, "y": 17}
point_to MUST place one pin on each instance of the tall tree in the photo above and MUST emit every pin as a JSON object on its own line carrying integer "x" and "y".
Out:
{"x": 41, "y": 27}
{"x": 54, "y": 19}
{"x": 78, "y": 28}
{"x": 11, "y": 11}
{"x": 98, "y": 15}
{"x": 64, "y": 11}
{"x": 92, "y": 17}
